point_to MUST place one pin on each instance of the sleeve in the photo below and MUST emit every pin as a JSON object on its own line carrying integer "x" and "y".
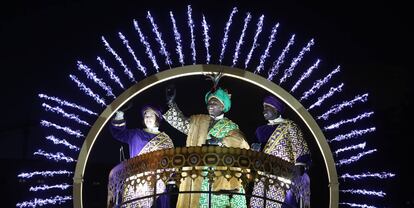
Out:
{"x": 120, "y": 132}
{"x": 236, "y": 139}
{"x": 176, "y": 119}
{"x": 299, "y": 146}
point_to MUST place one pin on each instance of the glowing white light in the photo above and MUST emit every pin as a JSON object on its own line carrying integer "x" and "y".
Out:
{"x": 148, "y": 49}
{"x": 338, "y": 107}
{"x": 58, "y": 156}
{"x": 358, "y": 205}
{"x": 354, "y": 158}
{"x": 289, "y": 71}
{"x": 331, "y": 92}
{"x": 191, "y": 26}
{"x": 119, "y": 59}
{"x": 353, "y": 147}
{"x": 87, "y": 90}
{"x": 67, "y": 103}
{"x": 240, "y": 42}
{"x": 63, "y": 186}
{"x": 163, "y": 50}
{"x": 266, "y": 52}
{"x": 92, "y": 76}
{"x": 318, "y": 84}
{"x": 226, "y": 34}
{"x": 305, "y": 75}
{"x": 68, "y": 130}
{"x": 47, "y": 173}
{"x": 61, "y": 112}
{"x": 62, "y": 141}
{"x": 42, "y": 202}
{"x": 177, "y": 37}
{"x": 352, "y": 134}
{"x": 280, "y": 60}
{"x": 353, "y": 120}
{"x": 382, "y": 175}
{"x": 110, "y": 72}
{"x": 254, "y": 45}
{"x": 132, "y": 52}
{"x": 364, "y": 192}
{"x": 206, "y": 39}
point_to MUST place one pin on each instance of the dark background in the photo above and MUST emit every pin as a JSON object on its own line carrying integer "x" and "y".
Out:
{"x": 41, "y": 41}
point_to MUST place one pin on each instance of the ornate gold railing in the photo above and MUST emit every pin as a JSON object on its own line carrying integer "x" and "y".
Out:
{"x": 174, "y": 165}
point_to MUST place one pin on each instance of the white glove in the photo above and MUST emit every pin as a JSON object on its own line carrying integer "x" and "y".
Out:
{"x": 119, "y": 115}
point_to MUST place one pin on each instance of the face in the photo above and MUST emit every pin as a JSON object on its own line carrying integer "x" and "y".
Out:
{"x": 270, "y": 113}
{"x": 215, "y": 107}
{"x": 150, "y": 119}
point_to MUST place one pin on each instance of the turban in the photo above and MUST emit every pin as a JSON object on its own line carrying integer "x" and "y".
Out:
{"x": 155, "y": 110}
{"x": 222, "y": 96}
{"x": 274, "y": 102}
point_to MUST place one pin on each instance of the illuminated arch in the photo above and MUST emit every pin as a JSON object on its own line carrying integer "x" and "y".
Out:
{"x": 191, "y": 70}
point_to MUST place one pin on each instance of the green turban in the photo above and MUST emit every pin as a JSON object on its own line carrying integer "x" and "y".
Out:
{"x": 222, "y": 96}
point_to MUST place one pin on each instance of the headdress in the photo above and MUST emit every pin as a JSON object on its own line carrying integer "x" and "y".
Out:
{"x": 216, "y": 92}
{"x": 156, "y": 111}
{"x": 274, "y": 102}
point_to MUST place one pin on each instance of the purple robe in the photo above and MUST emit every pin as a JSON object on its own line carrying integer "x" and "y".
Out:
{"x": 136, "y": 140}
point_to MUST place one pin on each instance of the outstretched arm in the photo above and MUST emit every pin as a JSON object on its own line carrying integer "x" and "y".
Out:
{"x": 176, "y": 118}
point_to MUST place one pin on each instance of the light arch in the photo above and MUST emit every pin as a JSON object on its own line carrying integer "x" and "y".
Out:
{"x": 192, "y": 70}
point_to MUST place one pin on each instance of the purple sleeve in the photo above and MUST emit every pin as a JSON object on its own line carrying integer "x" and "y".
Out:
{"x": 120, "y": 132}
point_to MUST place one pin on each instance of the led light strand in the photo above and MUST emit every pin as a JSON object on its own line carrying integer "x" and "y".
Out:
{"x": 162, "y": 44}
{"x": 87, "y": 90}
{"x": 260, "y": 67}
{"x": 110, "y": 71}
{"x": 148, "y": 49}
{"x": 47, "y": 173}
{"x": 382, "y": 175}
{"x": 289, "y": 71}
{"x": 280, "y": 60}
{"x": 58, "y": 156}
{"x": 240, "y": 42}
{"x": 177, "y": 37}
{"x": 61, "y": 112}
{"x": 42, "y": 202}
{"x": 338, "y": 107}
{"x": 364, "y": 192}
{"x": 67, "y": 103}
{"x": 353, "y": 120}
{"x": 44, "y": 187}
{"x": 190, "y": 23}
{"x": 353, "y": 147}
{"x": 305, "y": 75}
{"x": 62, "y": 141}
{"x": 226, "y": 34}
{"x": 357, "y": 205}
{"x": 67, "y": 130}
{"x": 206, "y": 39}
{"x": 331, "y": 92}
{"x": 318, "y": 84}
{"x": 92, "y": 76}
{"x": 132, "y": 52}
{"x": 352, "y": 134}
{"x": 354, "y": 158}
{"x": 119, "y": 59}
{"x": 254, "y": 44}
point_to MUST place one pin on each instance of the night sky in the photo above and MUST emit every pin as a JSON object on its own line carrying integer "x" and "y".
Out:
{"x": 40, "y": 43}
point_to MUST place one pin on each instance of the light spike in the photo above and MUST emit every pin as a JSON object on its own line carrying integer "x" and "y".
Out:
{"x": 352, "y": 134}
{"x": 305, "y": 75}
{"x": 54, "y": 156}
{"x": 364, "y": 192}
{"x": 331, "y": 92}
{"x": 61, "y": 112}
{"x": 92, "y": 76}
{"x": 319, "y": 83}
{"x": 110, "y": 72}
{"x": 190, "y": 23}
{"x": 132, "y": 52}
{"x": 206, "y": 39}
{"x": 119, "y": 59}
{"x": 240, "y": 42}
{"x": 357, "y": 205}
{"x": 62, "y": 141}
{"x": 355, "y": 158}
{"x": 281, "y": 59}
{"x": 353, "y": 147}
{"x": 177, "y": 37}
{"x": 148, "y": 49}
{"x": 67, "y": 103}
{"x": 226, "y": 34}
{"x": 87, "y": 90}
{"x": 338, "y": 107}
{"x": 289, "y": 71}
{"x": 47, "y": 173}
{"x": 254, "y": 44}
{"x": 353, "y": 120}
{"x": 68, "y": 130}
{"x": 382, "y": 175}
{"x": 42, "y": 202}
{"x": 158, "y": 35}
{"x": 44, "y": 187}
{"x": 260, "y": 67}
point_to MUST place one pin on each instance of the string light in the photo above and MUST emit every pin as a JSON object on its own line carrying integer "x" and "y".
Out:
{"x": 54, "y": 156}
{"x": 266, "y": 52}
{"x": 305, "y": 75}
{"x": 254, "y": 45}
{"x": 351, "y": 120}
{"x": 382, "y": 175}
{"x": 148, "y": 49}
{"x": 47, "y": 173}
{"x": 191, "y": 26}
{"x": 280, "y": 60}
{"x": 364, "y": 192}
{"x": 62, "y": 141}
{"x": 357, "y": 205}
{"x": 110, "y": 71}
{"x": 319, "y": 83}
{"x": 353, "y": 147}
{"x": 331, "y": 92}
{"x": 206, "y": 27}
{"x": 132, "y": 52}
{"x": 119, "y": 59}
{"x": 42, "y": 202}
{"x": 338, "y": 107}
{"x": 354, "y": 158}
{"x": 61, "y": 112}
{"x": 67, "y": 130}
{"x": 63, "y": 186}
{"x": 177, "y": 37}
{"x": 87, "y": 90}
{"x": 240, "y": 42}
{"x": 352, "y": 134}
{"x": 226, "y": 34}
{"x": 67, "y": 103}
{"x": 158, "y": 35}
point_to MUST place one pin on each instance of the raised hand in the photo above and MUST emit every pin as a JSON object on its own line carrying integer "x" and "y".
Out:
{"x": 170, "y": 93}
